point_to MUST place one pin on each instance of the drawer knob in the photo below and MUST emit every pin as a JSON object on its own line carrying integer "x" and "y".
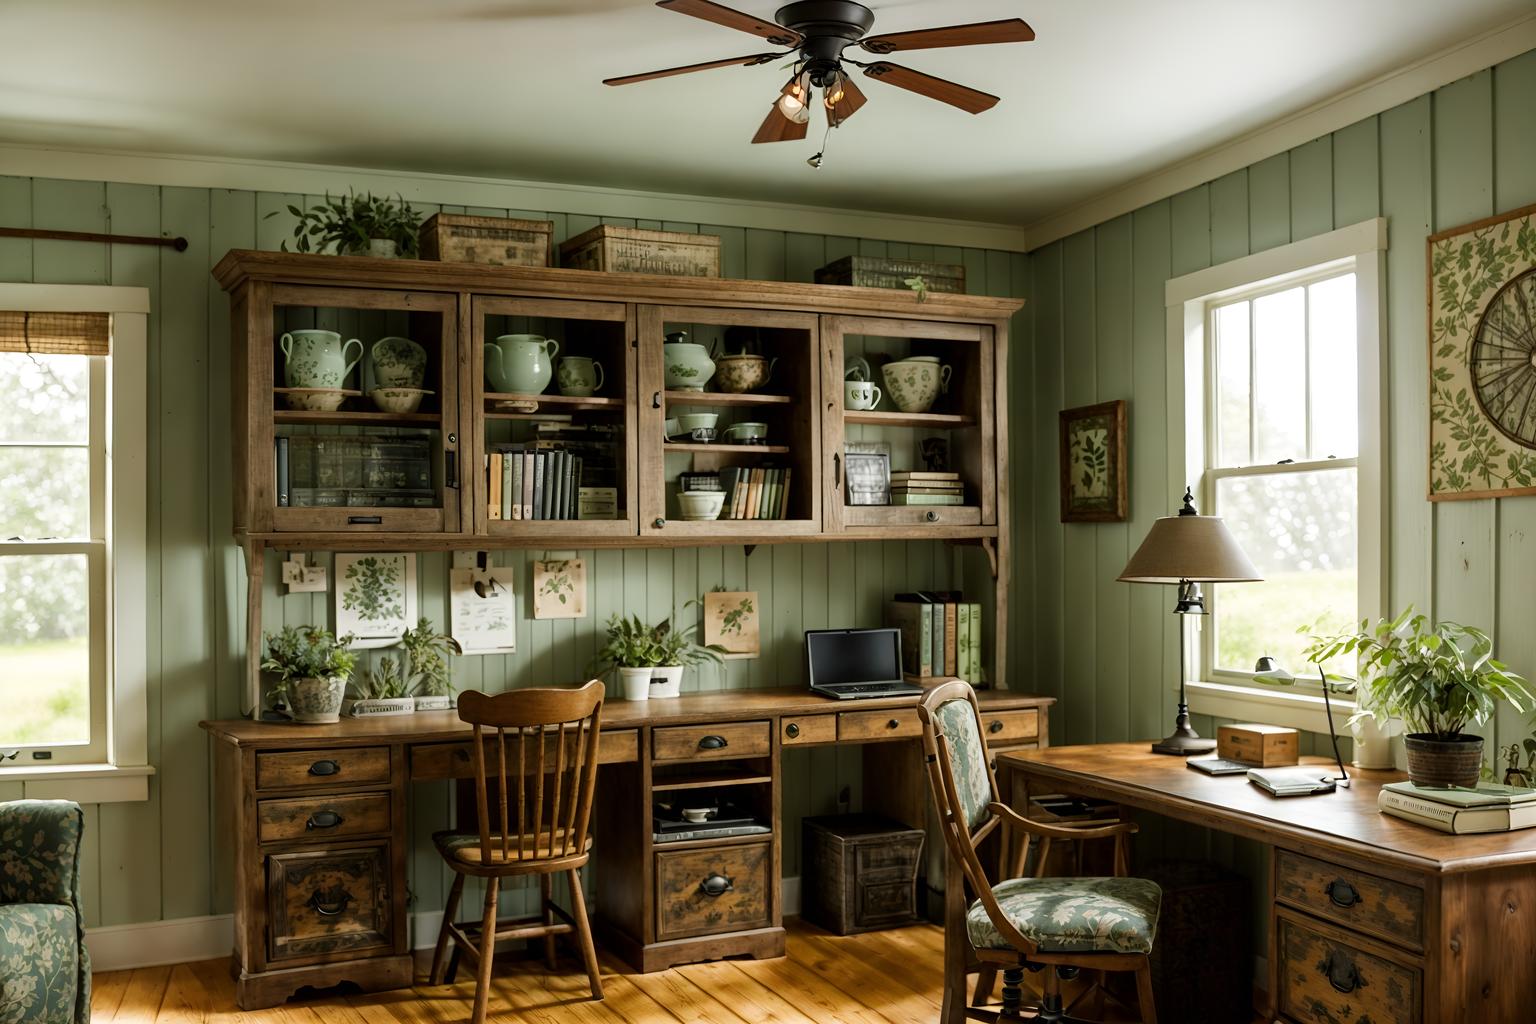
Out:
{"x": 716, "y": 885}
{"x": 792, "y": 730}
{"x": 1342, "y": 894}
{"x": 1341, "y": 971}
{"x": 996, "y": 726}
{"x": 330, "y": 904}
{"x": 931, "y": 516}
{"x": 326, "y": 767}
{"x": 323, "y": 819}
{"x": 712, "y": 743}
{"x": 894, "y": 723}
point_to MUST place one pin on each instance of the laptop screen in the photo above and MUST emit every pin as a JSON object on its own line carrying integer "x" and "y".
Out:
{"x": 853, "y": 656}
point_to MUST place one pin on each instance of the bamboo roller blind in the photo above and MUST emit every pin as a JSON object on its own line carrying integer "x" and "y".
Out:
{"x": 74, "y": 334}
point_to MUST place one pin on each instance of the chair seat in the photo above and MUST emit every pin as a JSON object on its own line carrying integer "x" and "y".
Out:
{"x": 1072, "y": 915}
{"x": 464, "y": 847}
{"x": 39, "y": 958}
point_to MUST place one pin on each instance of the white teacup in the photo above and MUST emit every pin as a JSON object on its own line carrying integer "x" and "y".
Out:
{"x": 696, "y": 814}
{"x": 860, "y": 395}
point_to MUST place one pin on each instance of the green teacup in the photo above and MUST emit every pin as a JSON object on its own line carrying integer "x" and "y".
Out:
{"x": 578, "y": 376}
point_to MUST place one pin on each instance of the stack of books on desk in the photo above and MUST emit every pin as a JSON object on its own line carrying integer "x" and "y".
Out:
{"x": 940, "y": 635}
{"x": 1488, "y": 808}
{"x": 910, "y": 488}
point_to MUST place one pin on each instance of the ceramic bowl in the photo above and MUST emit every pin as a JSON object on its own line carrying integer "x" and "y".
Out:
{"x": 671, "y": 427}
{"x": 696, "y": 505}
{"x": 398, "y": 400}
{"x": 747, "y": 433}
{"x": 695, "y": 420}
{"x": 316, "y": 399}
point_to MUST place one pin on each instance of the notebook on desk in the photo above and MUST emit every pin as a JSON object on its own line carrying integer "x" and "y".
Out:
{"x": 854, "y": 664}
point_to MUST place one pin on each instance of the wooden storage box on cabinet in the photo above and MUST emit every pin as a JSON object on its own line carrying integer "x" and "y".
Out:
{"x": 495, "y": 241}
{"x": 610, "y": 247}
{"x": 327, "y": 903}
{"x": 722, "y": 888}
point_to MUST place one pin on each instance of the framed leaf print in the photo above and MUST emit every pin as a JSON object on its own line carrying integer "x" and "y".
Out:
{"x": 375, "y": 597}
{"x": 730, "y": 621}
{"x": 1093, "y": 469}
{"x": 560, "y": 589}
{"x": 1482, "y": 358}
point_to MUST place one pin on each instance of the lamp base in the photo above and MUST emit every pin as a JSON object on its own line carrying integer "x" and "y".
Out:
{"x": 1184, "y": 741}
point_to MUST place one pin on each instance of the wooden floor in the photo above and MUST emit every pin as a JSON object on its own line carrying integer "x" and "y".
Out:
{"x": 889, "y": 976}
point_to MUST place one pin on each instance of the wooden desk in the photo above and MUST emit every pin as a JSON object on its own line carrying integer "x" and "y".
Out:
{"x": 1371, "y": 917}
{"x": 314, "y": 819}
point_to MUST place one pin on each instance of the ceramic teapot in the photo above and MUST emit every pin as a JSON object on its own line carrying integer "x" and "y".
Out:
{"x": 688, "y": 366}
{"x": 317, "y": 359}
{"x": 519, "y": 364}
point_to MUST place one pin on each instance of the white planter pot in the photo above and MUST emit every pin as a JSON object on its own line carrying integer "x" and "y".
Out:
{"x": 383, "y": 248}
{"x": 635, "y": 683}
{"x": 666, "y": 681}
{"x": 1373, "y": 744}
{"x": 441, "y": 703}
{"x": 316, "y": 700}
{"x": 375, "y": 708}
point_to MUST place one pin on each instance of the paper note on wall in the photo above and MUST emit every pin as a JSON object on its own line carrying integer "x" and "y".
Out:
{"x": 483, "y": 610}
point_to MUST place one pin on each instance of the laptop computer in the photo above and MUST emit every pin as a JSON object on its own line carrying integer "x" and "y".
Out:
{"x": 854, "y": 664}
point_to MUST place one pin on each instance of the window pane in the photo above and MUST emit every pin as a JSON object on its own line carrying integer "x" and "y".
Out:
{"x": 1300, "y": 531}
{"x": 44, "y": 650}
{"x": 1334, "y": 368}
{"x": 47, "y": 492}
{"x": 1280, "y": 370}
{"x": 47, "y": 398}
{"x": 1232, "y": 385}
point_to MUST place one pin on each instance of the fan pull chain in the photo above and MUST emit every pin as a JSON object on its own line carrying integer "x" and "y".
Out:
{"x": 815, "y": 161}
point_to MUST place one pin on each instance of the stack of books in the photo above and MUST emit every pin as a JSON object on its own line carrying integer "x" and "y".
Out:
{"x": 1488, "y": 808}
{"x": 760, "y": 493}
{"x": 564, "y": 473}
{"x": 940, "y": 635}
{"x": 913, "y": 488}
{"x": 356, "y": 471}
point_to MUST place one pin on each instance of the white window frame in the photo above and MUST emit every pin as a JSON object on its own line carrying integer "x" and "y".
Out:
{"x": 1361, "y": 249}
{"x": 117, "y": 768}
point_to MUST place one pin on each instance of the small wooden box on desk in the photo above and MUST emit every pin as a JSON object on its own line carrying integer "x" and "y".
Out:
{"x": 1263, "y": 746}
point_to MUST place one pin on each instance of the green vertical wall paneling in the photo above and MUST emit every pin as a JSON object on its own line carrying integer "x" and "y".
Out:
{"x": 1311, "y": 180}
{"x": 1229, "y": 216}
{"x": 16, "y": 210}
{"x": 1051, "y": 629}
{"x": 1079, "y": 592}
{"x": 1269, "y": 203}
{"x": 1112, "y": 317}
{"x": 1356, "y": 173}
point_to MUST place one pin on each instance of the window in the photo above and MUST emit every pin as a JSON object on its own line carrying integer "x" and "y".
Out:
{"x": 72, "y": 575}
{"x": 1276, "y": 362}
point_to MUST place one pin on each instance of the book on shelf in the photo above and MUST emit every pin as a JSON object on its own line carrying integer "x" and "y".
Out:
{"x": 953, "y": 639}
{"x": 512, "y": 501}
{"x": 355, "y": 471}
{"x": 1456, "y": 819}
{"x": 1484, "y": 794}
{"x": 899, "y": 498}
{"x": 493, "y": 472}
{"x": 916, "y": 624}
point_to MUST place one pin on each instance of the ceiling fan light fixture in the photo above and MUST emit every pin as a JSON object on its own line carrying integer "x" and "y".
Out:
{"x": 795, "y": 102}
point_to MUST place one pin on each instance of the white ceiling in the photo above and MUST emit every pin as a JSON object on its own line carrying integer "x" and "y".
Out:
{"x": 1111, "y": 90}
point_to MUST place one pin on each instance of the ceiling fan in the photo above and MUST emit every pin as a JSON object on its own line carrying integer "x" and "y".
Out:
{"x": 817, "y": 32}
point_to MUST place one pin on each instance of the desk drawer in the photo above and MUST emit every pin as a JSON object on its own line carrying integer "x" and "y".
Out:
{"x": 712, "y": 742}
{"x": 322, "y": 817}
{"x": 321, "y": 904}
{"x": 722, "y": 889}
{"x": 456, "y": 760}
{"x": 1326, "y": 977}
{"x": 808, "y": 729}
{"x": 341, "y": 766}
{"x": 1010, "y": 727}
{"x": 1366, "y": 903}
{"x": 892, "y": 724}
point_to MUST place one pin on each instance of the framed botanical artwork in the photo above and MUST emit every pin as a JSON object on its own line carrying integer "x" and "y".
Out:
{"x": 1093, "y": 466}
{"x": 730, "y": 620}
{"x": 375, "y": 597}
{"x": 560, "y": 589}
{"x": 1482, "y": 358}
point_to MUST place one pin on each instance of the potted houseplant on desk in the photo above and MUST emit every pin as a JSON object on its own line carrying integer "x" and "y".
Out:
{"x": 312, "y": 667}
{"x": 380, "y": 690}
{"x": 426, "y": 661}
{"x": 647, "y": 655}
{"x": 1438, "y": 680}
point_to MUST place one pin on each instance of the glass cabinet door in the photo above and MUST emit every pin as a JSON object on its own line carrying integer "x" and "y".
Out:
{"x": 354, "y": 411}
{"x": 729, "y": 423}
{"x": 554, "y": 419}
{"x": 908, "y": 424}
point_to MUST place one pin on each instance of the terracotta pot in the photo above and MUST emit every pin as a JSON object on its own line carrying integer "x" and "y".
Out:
{"x": 1436, "y": 761}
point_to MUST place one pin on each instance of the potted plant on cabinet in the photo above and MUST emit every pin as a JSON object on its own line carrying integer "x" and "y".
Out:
{"x": 381, "y": 690}
{"x": 1438, "y": 680}
{"x": 357, "y": 225}
{"x": 641, "y": 652}
{"x": 312, "y": 667}
{"x": 426, "y": 661}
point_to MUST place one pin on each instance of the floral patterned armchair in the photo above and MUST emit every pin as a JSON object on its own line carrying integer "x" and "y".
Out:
{"x": 45, "y": 972}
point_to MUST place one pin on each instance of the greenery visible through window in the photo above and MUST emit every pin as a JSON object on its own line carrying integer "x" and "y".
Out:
{"x": 1282, "y": 465}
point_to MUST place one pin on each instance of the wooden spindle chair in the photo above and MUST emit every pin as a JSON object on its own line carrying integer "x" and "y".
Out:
{"x": 540, "y": 746}
{"x": 1055, "y": 926}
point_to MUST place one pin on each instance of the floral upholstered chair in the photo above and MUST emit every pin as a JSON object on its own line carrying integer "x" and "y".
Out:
{"x": 45, "y": 973}
{"x": 1057, "y": 926}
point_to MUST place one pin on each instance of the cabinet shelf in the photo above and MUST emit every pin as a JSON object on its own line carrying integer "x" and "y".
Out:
{"x": 729, "y": 449}
{"x": 909, "y": 419}
{"x": 344, "y": 417}
{"x": 566, "y": 403}
{"x": 722, "y": 399}
{"x": 706, "y": 780}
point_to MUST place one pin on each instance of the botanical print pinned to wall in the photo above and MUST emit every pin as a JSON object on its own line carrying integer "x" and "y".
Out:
{"x": 1093, "y": 465}
{"x": 1482, "y": 358}
{"x": 375, "y": 597}
{"x": 730, "y": 620}
{"x": 482, "y": 609}
{"x": 560, "y": 589}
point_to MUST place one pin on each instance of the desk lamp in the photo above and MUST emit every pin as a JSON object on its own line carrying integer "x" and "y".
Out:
{"x": 1187, "y": 550}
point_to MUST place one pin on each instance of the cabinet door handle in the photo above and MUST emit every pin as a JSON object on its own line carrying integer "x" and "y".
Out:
{"x": 364, "y": 520}
{"x": 837, "y": 469}
{"x": 656, "y": 400}
{"x": 323, "y": 819}
{"x": 329, "y": 904}
{"x": 713, "y": 743}
{"x": 1342, "y": 894}
{"x": 792, "y": 730}
{"x": 659, "y": 523}
{"x": 716, "y": 885}
{"x": 1340, "y": 971}
{"x": 326, "y": 767}
{"x": 931, "y": 516}
{"x": 451, "y": 463}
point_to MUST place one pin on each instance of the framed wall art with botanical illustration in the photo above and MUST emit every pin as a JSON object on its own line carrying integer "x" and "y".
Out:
{"x": 730, "y": 622}
{"x": 1093, "y": 467}
{"x": 375, "y": 597}
{"x": 560, "y": 589}
{"x": 1482, "y": 358}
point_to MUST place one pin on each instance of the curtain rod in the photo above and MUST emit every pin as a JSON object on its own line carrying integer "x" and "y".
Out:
{"x": 179, "y": 244}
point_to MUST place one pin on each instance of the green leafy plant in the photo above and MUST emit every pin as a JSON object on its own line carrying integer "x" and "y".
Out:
{"x": 371, "y": 590}
{"x": 633, "y": 644}
{"x": 381, "y": 682}
{"x": 348, "y": 223}
{"x": 919, "y": 285}
{"x": 426, "y": 659}
{"x": 1439, "y": 679}
{"x": 306, "y": 652}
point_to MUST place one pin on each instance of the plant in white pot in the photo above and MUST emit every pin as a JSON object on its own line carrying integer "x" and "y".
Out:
{"x": 380, "y": 690}
{"x": 311, "y": 666}
{"x": 426, "y": 663}
{"x": 357, "y": 225}
{"x": 678, "y": 651}
{"x": 1438, "y": 680}
{"x": 640, "y": 653}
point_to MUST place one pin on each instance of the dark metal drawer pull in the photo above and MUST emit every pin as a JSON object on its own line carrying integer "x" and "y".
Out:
{"x": 1342, "y": 894}
{"x": 792, "y": 730}
{"x": 996, "y": 726}
{"x": 713, "y": 743}
{"x": 325, "y": 768}
{"x": 330, "y": 904}
{"x": 717, "y": 885}
{"x": 364, "y": 520}
{"x": 323, "y": 819}
{"x": 1341, "y": 972}
{"x": 894, "y": 723}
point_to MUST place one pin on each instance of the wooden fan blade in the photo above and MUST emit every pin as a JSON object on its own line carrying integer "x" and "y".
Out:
{"x": 967, "y": 99}
{"x": 778, "y": 35}
{"x": 751, "y": 59}
{"x": 1009, "y": 30}
{"x": 778, "y": 128}
{"x": 853, "y": 99}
